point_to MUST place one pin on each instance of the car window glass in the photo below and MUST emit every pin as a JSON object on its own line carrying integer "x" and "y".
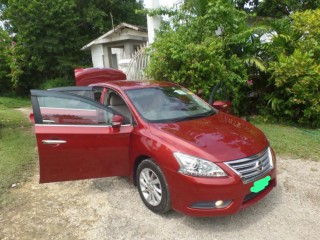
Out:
{"x": 97, "y": 93}
{"x": 220, "y": 92}
{"x": 58, "y": 110}
{"x": 158, "y": 104}
{"x": 114, "y": 101}
{"x": 84, "y": 93}
{"x": 94, "y": 93}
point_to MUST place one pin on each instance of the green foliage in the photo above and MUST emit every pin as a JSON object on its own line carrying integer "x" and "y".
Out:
{"x": 157, "y": 11}
{"x": 5, "y": 46}
{"x": 48, "y": 40}
{"x": 198, "y": 7}
{"x": 189, "y": 52}
{"x": 57, "y": 82}
{"x": 50, "y": 34}
{"x": 205, "y": 45}
{"x": 14, "y": 102}
{"x": 296, "y": 71}
{"x": 276, "y": 8}
{"x": 280, "y": 8}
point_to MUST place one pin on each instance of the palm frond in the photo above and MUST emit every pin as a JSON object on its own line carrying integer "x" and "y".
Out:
{"x": 257, "y": 62}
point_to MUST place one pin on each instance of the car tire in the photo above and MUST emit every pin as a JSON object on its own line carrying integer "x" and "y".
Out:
{"x": 152, "y": 187}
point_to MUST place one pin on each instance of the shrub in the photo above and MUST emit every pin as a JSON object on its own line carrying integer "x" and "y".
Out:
{"x": 296, "y": 74}
{"x": 5, "y": 46}
{"x": 190, "y": 51}
{"x": 57, "y": 82}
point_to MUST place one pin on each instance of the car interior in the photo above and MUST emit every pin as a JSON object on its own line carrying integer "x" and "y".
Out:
{"x": 115, "y": 102}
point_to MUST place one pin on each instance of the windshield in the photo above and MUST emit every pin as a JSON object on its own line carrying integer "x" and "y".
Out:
{"x": 168, "y": 104}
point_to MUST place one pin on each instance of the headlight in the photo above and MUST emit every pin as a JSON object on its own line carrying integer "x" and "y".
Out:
{"x": 194, "y": 166}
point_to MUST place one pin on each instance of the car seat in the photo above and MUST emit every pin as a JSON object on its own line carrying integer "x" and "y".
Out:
{"x": 119, "y": 106}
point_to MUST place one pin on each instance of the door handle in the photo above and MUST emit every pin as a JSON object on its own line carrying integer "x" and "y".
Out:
{"x": 55, "y": 142}
{"x": 48, "y": 121}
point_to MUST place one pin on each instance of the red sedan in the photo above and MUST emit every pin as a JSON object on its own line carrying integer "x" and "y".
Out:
{"x": 182, "y": 153}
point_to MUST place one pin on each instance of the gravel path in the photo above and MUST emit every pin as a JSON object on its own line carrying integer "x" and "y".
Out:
{"x": 111, "y": 208}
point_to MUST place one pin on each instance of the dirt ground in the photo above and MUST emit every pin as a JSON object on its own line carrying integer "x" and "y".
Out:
{"x": 110, "y": 208}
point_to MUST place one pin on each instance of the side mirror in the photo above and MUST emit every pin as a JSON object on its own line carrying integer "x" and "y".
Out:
{"x": 117, "y": 120}
{"x": 224, "y": 106}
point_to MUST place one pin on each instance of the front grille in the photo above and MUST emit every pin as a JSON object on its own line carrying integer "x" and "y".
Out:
{"x": 252, "y": 168}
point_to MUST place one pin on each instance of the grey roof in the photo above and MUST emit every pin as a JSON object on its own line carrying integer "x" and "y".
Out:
{"x": 115, "y": 30}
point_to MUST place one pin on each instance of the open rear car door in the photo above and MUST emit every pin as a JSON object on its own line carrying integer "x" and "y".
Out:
{"x": 77, "y": 139}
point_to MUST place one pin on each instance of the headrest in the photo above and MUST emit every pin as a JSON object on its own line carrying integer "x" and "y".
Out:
{"x": 116, "y": 100}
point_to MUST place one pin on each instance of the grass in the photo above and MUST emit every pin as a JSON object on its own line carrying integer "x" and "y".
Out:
{"x": 14, "y": 102}
{"x": 17, "y": 144}
{"x": 292, "y": 142}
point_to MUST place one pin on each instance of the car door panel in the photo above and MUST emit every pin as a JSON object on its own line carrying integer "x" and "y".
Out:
{"x": 88, "y": 152}
{"x": 72, "y": 150}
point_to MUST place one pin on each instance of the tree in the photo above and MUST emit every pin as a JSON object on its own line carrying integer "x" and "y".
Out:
{"x": 5, "y": 45}
{"x": 197, "y": 7}
{"x": 276, "y": 8}
{"x": 296, "y": 71}
{"x": 199, "y": 51}
{"x": 50, "y": 34}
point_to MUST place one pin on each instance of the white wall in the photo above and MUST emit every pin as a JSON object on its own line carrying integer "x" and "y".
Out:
{"x": 97, "y": 56}
{"x": 154, "y": 21}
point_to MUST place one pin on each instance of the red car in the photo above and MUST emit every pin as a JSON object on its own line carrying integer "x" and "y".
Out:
{"x": 179, "y": 151}
{"x": 86, "y": 76}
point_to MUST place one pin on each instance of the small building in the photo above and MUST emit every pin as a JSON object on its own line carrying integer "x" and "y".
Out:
{"x": 115, "y": 48}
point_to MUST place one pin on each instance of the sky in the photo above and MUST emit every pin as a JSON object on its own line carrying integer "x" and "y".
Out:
{"x": 168, "y": 3}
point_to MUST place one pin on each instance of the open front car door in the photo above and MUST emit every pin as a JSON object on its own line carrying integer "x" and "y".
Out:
{"x": 76, "y": 138}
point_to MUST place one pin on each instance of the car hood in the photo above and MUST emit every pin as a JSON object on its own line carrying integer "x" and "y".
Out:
{"x": 220, "y": 137}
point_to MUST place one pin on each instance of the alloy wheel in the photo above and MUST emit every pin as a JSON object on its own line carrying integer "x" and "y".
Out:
{"x": 150, "y": 186}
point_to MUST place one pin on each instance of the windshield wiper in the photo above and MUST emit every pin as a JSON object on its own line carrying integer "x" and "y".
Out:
{"x": 206, "y": 114}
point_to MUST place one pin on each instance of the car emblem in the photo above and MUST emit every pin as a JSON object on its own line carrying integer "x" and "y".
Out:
{"x": 259, "y": 166}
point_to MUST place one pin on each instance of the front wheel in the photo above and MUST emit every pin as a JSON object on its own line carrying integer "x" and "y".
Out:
{"x": 152, "y": 186}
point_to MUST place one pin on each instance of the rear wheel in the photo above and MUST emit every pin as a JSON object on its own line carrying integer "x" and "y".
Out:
{"x": 152, "y": 186}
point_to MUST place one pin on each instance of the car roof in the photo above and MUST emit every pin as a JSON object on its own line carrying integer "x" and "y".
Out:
{"x": 71, "y": 88}
{"x": 130, "y": 84}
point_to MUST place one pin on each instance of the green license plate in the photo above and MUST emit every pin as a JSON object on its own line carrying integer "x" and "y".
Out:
{"x": 261, "y": 184}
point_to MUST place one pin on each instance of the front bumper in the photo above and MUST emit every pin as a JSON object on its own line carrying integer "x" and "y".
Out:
{"x": 185, "y": 191}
